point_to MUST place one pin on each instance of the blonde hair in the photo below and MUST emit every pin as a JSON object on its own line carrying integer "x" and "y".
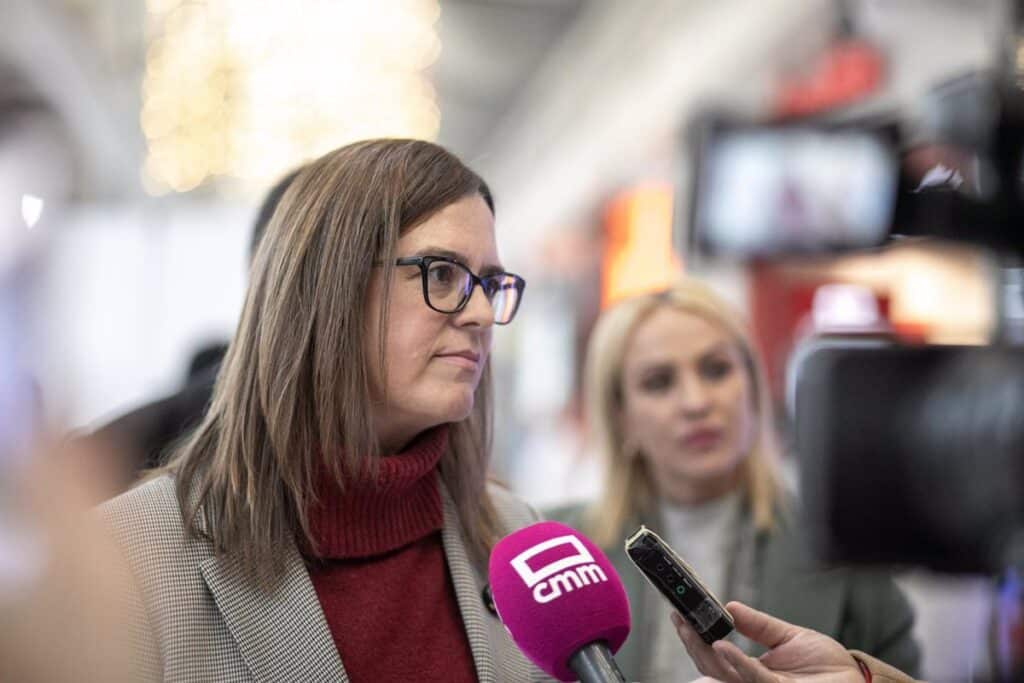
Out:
{"x": 292, "y": 397}
{"x": 629, "y": 488}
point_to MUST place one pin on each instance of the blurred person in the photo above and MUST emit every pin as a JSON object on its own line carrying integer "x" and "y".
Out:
{"x": 144, "y": 435}
{"x": 792, "y": 654}
{"x": 62, "y": 580}
{"x": 678, "y": 406}
{"x": 330, "y": 517}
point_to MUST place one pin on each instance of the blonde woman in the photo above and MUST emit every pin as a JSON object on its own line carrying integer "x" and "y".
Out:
{"x": 329, "y": 519}
{"x": 677, "y": 403}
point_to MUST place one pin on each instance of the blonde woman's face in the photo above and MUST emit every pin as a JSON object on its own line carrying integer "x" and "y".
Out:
{"x": 687, "y": 405}
{"x": 434, "y": 360}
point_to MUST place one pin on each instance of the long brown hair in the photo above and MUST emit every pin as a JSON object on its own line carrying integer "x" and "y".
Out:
{"x": 629, "y": 488}
{"x": 292, "y": 396}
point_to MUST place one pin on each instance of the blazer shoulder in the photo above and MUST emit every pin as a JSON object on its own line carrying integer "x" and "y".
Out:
{"x": 151, "y": 507}
{"x": 566, "y": 514}
{"x": 513, "y": 511}
{"x": 146, "y": 522}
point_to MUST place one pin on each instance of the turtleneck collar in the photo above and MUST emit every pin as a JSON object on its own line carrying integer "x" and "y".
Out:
{"x": 371, "y": 518}
{"x": 710, "y": 523}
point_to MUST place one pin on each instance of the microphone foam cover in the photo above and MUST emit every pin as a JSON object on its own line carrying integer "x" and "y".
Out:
{"x": 555, "y": 591}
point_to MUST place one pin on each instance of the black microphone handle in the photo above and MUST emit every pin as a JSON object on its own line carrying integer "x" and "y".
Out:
{"x": 594, "y": 663}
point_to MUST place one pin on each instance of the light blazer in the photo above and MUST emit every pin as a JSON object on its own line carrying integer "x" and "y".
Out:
{"x": 196, "y": 617}
{"x": 863, "y": 610}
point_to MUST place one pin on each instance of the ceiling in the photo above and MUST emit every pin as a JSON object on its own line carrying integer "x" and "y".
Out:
{"x": 85, "y": 61}
{"x": 554, "y": 101}
{"x": 490, "y": 50}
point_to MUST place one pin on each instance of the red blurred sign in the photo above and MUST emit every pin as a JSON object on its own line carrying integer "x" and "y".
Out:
{"x": 849, "y": 71}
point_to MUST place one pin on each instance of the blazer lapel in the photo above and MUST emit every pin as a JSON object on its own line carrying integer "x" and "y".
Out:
{"x": 283, "y": 635}
{"x": 496, "y": 657}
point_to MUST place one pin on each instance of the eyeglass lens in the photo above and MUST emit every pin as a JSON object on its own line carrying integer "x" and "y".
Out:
{"x": 449, "y": 285}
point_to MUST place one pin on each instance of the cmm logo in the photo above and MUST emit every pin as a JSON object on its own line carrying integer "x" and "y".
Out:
{"x": 561, "y": 576}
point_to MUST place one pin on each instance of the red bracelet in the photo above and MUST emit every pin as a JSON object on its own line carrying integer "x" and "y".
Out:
{"x": 864, "y": 670}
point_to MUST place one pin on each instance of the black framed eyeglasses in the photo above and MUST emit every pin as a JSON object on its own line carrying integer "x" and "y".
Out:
{"x": 448, "y": 286}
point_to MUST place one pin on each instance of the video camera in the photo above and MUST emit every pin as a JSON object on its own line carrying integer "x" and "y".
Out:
{"x": 910, "y": 454}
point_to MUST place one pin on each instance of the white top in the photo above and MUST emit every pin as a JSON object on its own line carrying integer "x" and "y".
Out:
{"x": 705, "y": 536}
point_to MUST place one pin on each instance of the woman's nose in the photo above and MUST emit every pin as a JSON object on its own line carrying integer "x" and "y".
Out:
{"x": 695, "y": 399}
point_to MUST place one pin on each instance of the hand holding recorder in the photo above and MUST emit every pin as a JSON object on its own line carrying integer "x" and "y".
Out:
{"x": 794, "y": 654}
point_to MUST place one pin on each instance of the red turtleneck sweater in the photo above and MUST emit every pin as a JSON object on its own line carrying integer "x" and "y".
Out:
{"x": 384, "y": 584}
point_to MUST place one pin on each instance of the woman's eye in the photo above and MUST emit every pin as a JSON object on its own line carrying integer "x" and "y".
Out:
{"x": 442, "y": 274}
{"x": 716, "y": 368}
{"x": 656, "y": 382}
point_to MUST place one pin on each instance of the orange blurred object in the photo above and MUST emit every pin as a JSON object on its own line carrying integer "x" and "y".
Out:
{"x": 911, "y": 332}
{"x": 638, "y": 255}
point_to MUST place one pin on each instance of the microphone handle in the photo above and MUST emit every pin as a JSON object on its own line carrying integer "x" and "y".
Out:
{"x": 593, "y": 663}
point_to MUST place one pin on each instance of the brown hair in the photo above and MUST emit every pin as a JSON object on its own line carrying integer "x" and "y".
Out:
{"x": 292, "y": 396}
{"x": 628, "y": 488}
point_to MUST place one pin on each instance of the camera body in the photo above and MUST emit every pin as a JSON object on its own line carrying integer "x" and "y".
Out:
{"x": 909, "y": 454}
{"x": 830, "y": 185}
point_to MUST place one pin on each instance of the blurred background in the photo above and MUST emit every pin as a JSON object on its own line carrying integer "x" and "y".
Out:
{"x": 138, "y": 137}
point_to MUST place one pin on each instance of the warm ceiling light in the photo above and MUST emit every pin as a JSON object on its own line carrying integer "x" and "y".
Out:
{"x": 249, "y": 89}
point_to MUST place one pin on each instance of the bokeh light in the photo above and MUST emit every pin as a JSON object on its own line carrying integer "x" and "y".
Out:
{"x": 246, "y": 90}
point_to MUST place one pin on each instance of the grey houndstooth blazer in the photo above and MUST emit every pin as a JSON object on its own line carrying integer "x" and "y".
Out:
{"x": 195, "y": 617}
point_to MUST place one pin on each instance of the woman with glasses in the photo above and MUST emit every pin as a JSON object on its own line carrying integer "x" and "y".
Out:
{"x": 678, "y": 406}
{"x": 330, "y": 518}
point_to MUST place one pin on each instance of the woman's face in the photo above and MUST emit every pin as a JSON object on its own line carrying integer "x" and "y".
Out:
{"x": 687, "y": 405}
{"x": 434, "y": 360}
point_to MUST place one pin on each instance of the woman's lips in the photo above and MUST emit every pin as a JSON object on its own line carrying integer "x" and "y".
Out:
{"x": 463, "y": 359}
{"x": 703, "y": 439}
